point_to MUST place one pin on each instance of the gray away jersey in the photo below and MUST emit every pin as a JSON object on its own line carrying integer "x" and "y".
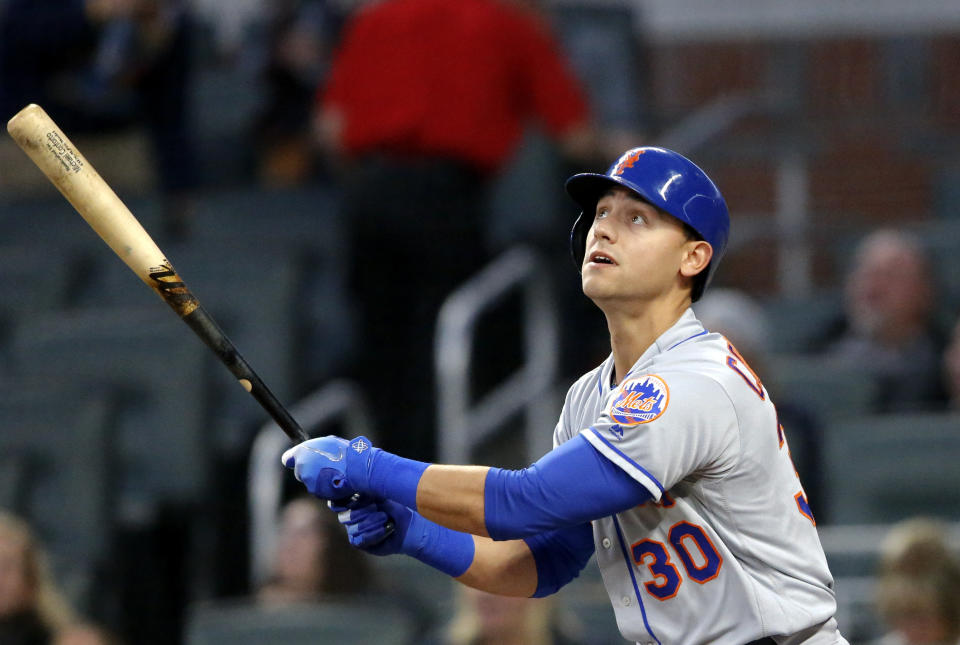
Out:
{"x": 728, "y": 551}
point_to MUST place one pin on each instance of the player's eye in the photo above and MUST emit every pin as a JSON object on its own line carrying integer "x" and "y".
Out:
{"x": 638, "y": 219}
{"x": 602, "y": 212}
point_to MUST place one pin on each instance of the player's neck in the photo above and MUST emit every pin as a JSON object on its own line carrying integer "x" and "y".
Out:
{"x": 633, "y": 331}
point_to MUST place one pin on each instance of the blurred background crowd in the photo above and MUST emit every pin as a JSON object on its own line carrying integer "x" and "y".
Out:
{"x": 367, "y": 196}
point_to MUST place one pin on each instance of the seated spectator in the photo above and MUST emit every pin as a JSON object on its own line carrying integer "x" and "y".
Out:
{"x": 313, "y": 558}
{"x": 951, "y": 368}
{"x": 742, "y": 320}
{"x": 31, "y": 608}
{"x": 297, "y": 44}
{"x": 85, "y": 633}
{"x": 483, "y": 618}
{"x": 890, "y": 332}
{"x": 101, "y": 66}
{"x": 918, "y": 590}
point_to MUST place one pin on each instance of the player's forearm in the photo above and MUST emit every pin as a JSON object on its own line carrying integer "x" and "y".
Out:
{"x": 504, "y": 568}
{"x": 570, "y": 485}
{"x": 452, "y": 496}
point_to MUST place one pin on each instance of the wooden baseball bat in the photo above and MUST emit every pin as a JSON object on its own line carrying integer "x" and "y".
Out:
{"x": 38, "y": 136}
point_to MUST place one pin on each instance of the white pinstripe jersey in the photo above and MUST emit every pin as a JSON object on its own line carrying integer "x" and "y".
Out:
{"x": 728, "y": 551}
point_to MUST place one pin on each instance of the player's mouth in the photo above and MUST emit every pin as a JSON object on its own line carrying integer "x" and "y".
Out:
{"x": 599, "y": 258}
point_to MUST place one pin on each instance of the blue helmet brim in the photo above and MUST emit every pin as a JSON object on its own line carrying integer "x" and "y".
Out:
{"x": 587, "y": 188}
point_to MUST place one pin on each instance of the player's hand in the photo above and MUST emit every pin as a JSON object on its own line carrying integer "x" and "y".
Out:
{"x": 377, "y": 527}
{"x": 331, "y": 467}
{"x": 385, "y": 527}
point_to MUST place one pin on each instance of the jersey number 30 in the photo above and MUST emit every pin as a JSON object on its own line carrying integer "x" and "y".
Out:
{"x": 700, "y": 559}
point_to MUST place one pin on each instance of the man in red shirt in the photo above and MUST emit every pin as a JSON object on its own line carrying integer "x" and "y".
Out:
{"x": 425, "y": 101}
{"x": 456, "y": 80}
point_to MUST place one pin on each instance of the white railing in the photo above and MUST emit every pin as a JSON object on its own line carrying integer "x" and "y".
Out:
{"x": 336, "y": 400}
{"x": 463, "y": 425}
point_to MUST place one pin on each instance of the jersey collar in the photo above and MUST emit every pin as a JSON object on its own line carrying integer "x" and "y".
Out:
{"x": 686, "y": 328}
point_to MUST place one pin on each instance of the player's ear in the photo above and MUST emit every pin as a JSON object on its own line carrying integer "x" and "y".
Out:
{"x": 696, "y": 257}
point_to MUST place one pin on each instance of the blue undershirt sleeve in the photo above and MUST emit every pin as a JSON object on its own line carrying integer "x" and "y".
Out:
{"x": 570, "y": 485}
{"x": 560, "y": 556}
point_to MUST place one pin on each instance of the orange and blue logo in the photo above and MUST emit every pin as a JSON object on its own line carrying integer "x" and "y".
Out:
{"x": 627, "y": 160}
{"x": 640, "y": 400}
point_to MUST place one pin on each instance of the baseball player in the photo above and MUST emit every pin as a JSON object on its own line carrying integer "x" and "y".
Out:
{"x": 669, "y": 461}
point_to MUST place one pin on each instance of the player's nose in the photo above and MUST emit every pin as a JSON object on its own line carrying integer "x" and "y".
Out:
{"x": 603, "y": 229}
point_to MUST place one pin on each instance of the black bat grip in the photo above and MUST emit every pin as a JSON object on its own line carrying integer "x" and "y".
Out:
{"x": 204, "y": 326}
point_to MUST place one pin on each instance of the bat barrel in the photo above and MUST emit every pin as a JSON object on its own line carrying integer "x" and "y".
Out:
{"x": 67, "y": 169}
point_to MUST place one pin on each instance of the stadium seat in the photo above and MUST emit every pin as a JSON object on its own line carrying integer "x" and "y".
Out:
{"x": 297, "y": 218}
{"x": 56, "y": 444}
{"x": 35, "y": 278}
{"x": 829, "y": 391}
{"x": 942, "y": 238}
{"x": 798, "y": 324}
{"x": 364, "y": 620}
{"x": 155, "y": 369}
{"x": 887, "y": 468}
{"x": 13, "y": 470}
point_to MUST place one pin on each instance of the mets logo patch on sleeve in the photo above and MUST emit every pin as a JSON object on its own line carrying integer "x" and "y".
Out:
{"x": 640, "y": 400}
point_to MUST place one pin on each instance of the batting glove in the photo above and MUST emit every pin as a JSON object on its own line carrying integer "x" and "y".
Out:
{"x": 385, "y": 528}
{"x": 334, "y": 468}
{"x": 379, "y": 528}
{"x": 331, "y": 467}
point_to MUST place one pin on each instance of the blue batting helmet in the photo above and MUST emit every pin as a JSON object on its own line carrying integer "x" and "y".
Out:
{"x": 669, "y": 181}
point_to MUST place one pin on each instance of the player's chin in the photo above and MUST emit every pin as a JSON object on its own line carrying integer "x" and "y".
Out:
{"x": 595, "y": 286}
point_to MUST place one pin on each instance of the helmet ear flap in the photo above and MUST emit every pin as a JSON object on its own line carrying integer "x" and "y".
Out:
{"x": 578, "y": 241}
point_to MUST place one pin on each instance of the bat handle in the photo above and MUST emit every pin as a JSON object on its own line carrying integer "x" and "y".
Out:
{"x": 276, "y": 411}
{"x": 206, "y": 327}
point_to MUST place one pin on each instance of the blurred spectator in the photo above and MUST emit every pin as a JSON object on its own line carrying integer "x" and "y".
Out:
{"x": 313, "y": 558}
{"x": 745, "y": 324}
{"x": 103, "y": 65}
{"x": 85, "y": 634}
{"x": 390, "y": 93}
{"x": 32, "y": 609}
{"x": 918, "y": 589}
{"x": 890, "y": 332}
{"x": 603, "y": 41}
{"x": 951, "y": 368}
{"x": 740, "y": 318}
{"x": 426, "y": 100}
{"x": 229, "y": 31}
{"x": 299, "y": 41}
{"x": 483, "y": 618}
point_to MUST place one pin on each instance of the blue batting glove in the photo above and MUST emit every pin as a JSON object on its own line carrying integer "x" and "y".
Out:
{"x": 369, "y": 523}
{"x": 331, "y": 467}
{"x": 377, "y": 527}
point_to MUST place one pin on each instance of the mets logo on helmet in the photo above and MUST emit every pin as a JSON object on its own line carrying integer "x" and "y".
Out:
{"x": 627, "y": 160}
{"x": 640, "y": 400}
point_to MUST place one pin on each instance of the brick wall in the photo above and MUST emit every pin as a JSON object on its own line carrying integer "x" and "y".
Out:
{"x": 879, "y": 118}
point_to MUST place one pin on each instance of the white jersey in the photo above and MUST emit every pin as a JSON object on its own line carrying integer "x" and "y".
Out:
{"x": 728, "y": 551}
